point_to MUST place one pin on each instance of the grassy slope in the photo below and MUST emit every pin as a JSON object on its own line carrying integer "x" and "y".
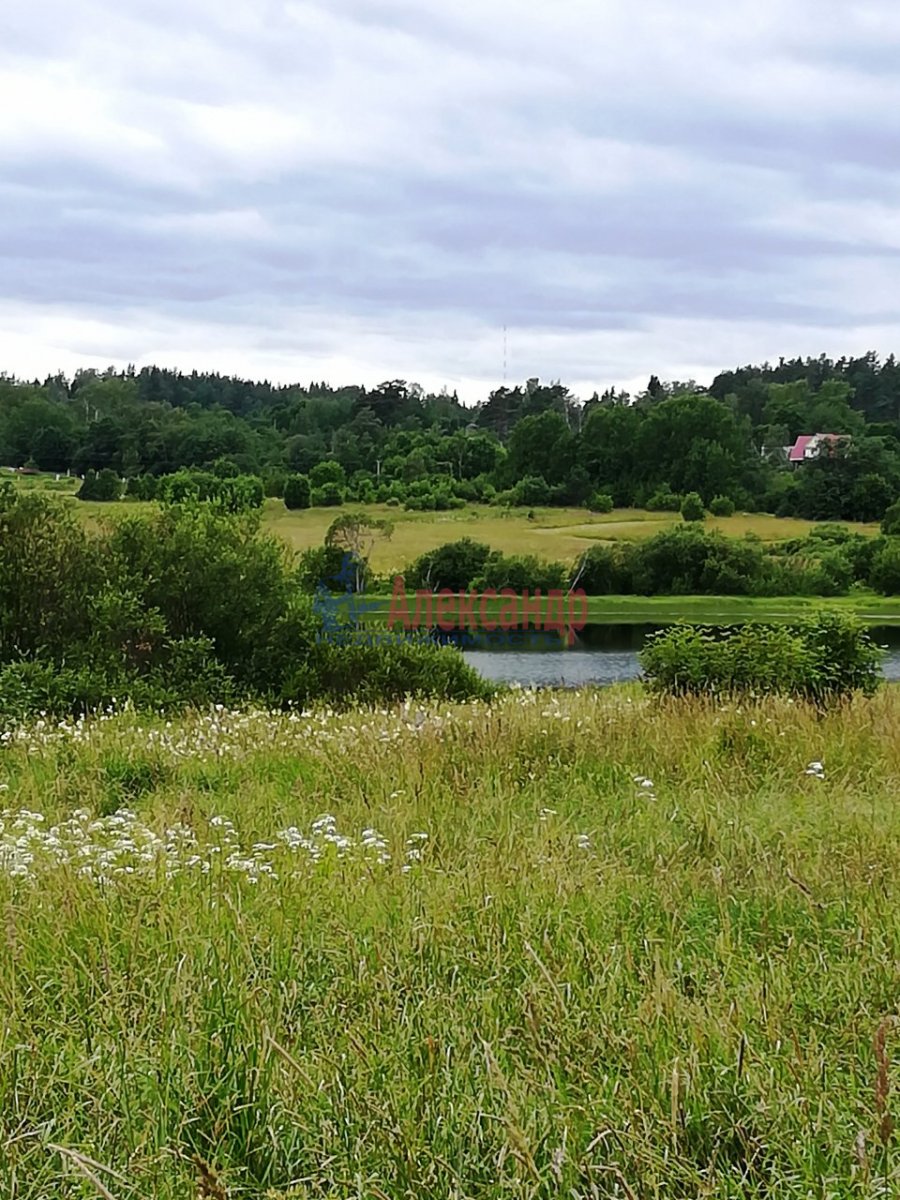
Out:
{"x": 587, "y": 986}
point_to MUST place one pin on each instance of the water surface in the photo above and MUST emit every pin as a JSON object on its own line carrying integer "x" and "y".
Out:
{"x": 605, "y": 654}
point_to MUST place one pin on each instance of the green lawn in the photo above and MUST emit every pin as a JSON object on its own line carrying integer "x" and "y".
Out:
{"x": 574, "y": 945}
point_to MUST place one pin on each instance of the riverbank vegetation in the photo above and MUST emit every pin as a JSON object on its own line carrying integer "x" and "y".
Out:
{"x": 585, "y": 944}
{"x": 183, "y": 604}
{"x": 685, "y": 560}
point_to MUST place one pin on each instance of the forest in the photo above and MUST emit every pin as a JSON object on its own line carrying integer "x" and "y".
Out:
{"x": 534, "y": 444}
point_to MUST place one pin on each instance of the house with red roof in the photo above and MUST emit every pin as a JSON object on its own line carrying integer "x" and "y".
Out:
{"x": 811, "y": 445}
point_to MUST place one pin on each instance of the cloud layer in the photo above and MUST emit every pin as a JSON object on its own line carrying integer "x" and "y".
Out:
{"x": 363, "y": 189}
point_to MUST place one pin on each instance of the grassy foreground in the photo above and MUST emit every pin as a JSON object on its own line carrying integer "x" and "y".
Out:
{"x": 578, "y": 945}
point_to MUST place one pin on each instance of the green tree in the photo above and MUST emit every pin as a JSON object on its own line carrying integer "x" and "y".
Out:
{"x": 692, "y": 507}
{"x": 296, "y": 492}
{"x": 541, "y": 445}
{"x": 355, "y": 534}
{"x": 327, "y": 472}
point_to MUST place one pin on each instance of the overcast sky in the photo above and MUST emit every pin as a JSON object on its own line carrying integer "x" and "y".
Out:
{"x": 357, "y": 190}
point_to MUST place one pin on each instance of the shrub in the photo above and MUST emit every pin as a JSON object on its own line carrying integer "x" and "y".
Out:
{"x": 601, "y": 502}
{"x": 296, "y": 492}
{"x": 521, "y": 572}
{"x": 239, "y": 493}
{"x": 327, "y": 473}
{"x": 606, "y": 570}
{"x": 665, "y": 500}
{"x": 100, "y": 485}
{"x": 274, "y": 482}
{"x": 885, "y": 574}
{"x": 454, "y": 565}
{"x": 142, "y": 487}
{"x": 890, "y": 523}
{"x": 826, "y": 658}
{"x": 206, "y": 574}
{"x": 183, "y": 604}
{"x": 721, "y": 506}
{"x": 531, "y": 491}
{"x": 692, "y": 507}
{"x": 50, "y": 567}
{"x": 377, "y": 671}
{"x": 225, "y": 468}
{"x": 689, "y": 560}
{"x": 327, "y": 496}
{"x": 182, "y": 487}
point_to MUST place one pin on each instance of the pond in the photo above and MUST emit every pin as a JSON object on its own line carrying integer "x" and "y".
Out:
{"x": 605, "y": 654}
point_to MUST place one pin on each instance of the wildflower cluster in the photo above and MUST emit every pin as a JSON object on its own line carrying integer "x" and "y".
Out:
{"x": 106, "y": 849}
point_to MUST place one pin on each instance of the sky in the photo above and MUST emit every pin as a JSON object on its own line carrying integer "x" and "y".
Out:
{"x": 361, "y": 190}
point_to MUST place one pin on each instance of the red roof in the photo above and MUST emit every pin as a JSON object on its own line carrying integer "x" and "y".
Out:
{"x": 798, "y": 450}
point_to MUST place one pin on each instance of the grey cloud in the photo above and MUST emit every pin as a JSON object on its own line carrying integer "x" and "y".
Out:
{"x": 409, "y": 167}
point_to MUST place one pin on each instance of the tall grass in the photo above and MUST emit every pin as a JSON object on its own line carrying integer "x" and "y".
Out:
{"x": 646, "y": 949}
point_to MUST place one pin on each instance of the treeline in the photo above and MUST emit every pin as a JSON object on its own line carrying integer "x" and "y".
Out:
{"x": 175, "y": 605}
{"x": 531, "y": 445}
{"x": 685, "y": 560}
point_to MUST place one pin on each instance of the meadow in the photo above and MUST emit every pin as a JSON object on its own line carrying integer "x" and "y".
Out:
{"x": 555, "y": 533}
{"x": 552, "y": 533}
{"x": 576, "y": 944}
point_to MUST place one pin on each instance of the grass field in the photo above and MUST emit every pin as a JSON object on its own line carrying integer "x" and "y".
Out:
{"x": 572, "y": 946}
{"x": 556, "y": 533}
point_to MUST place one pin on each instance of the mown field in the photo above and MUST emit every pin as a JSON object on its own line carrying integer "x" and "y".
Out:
{"x": 573, "y": 945}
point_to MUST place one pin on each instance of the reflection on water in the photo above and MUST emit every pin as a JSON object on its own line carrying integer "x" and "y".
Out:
{"x": 605, "y": 654}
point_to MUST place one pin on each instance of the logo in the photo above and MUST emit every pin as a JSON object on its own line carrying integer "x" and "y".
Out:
{"x": 466, "y": 619}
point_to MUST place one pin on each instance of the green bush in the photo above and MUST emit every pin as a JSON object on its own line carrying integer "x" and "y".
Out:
{"x": 329, "y": 495}
{"x": 531, "y": 491}
{"x": 601, "y": 502}
{"x": 142, "y": 487}
{"x": 185, "y": 486}
{"x": 690, "y": 560}
{"x": 826, "y": 658}
{"x": 721, "y": 506}
{"x": 453, "y": 565}
{"x": 885, "y": 575}
{"x": 521, "y": 573}
{"x": 240, "y": 493}
{"x": 664, "y": 500}
{"x": 274, "y": 481}
{"x": 100, "y": 485}
{"x": 326, "y": 474}
{"x": 890, "y": 523}
{"x": 692, "y": 507}
{"x": 50, "y": 568}
{"x": 382, "y": 670}
{"x": 296, "y": 492}
{"x": 185, "y": 604}
{"x": 606, "y": 570}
